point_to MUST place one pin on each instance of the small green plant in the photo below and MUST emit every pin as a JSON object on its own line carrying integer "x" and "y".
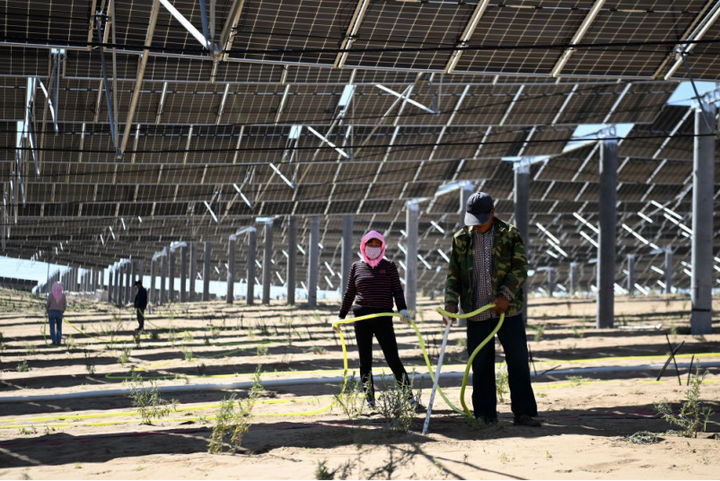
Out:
{"x": 693, "y": 416}
{"x": 547, "y": 453}
{"x": 575, "y": 381}
{"x": 234, "y": 418}
{"x": 462, "y": 342}
{"x": 539, "y": 331}
{"x": 321, "y": 471}
{"x": 319, "y": 350}
{"x": 43, "y": 332}
{"x": 262, "y": 350}
{"x": 504, "y": 458}
{"x": 124, "y": 355}
{"x": 30, "y": 349}
{"x": 214, "y": 332}
{"x": 187, "y": 353}
{"x": 501, "y": 383}
{"x": 2, "y": 342}
{"x": 23, "y": 366}
{"x": 148, "y": 402}
{"x": 396, "y": 405}
{"x": 579, "y": 332}
{"x": 351, "y": 399}
{"x": 154, "y": 336}
{"x": 89, "y": 364}
{"x": 70, "y": 344}
{"x": 28, "y": 430}
{"x": 202, "y": 369}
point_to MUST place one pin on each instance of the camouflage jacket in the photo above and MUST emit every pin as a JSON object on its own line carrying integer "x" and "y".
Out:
{"x": 509, "y": 268}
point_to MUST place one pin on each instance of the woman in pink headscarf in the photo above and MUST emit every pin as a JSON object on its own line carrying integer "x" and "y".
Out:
{"x": 373, "y": 285}
{"x": 56, "y": 305}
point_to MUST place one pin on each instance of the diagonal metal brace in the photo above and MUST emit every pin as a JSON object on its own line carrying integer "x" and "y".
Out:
{"x": 99, "y": 18}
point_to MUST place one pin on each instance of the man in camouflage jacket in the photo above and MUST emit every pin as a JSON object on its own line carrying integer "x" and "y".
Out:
{"x": 509, "y": 268}
{"x": 488, "y": 265}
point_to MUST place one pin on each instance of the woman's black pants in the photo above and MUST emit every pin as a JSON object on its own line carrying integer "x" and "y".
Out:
{"x": 382, "y": 329}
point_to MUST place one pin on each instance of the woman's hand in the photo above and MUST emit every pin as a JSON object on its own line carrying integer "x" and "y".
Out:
{"x": 405, "y": 316}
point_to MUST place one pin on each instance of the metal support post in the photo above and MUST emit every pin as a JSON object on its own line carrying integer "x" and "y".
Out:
{"x": 152, "y": 294}
{"x": 522, "y": 215}
{"x": 347, "y": 251}
{"x": 252, "y": 247}
{"x": 232, "y": 247}
{"x": 573, "y": 278}
{"x": 551, "y": 281}
{"x": 412, "y": 214}
{"x": 313, "y": 261}
{"x": 292, "y": 259}
{"x": 206, "y": 271}
{"x": 465, "y": 192}
{"x": 631, "y": 274}
{"x": 267, "y": 262}
{"x": 171, "y": 274}
{"x": 183, "y": 273}
{"x": 703, "y": 221}
{"x": 608, "y": 233}
{"x": 668, "y": 270}
{"x": 163, "y": 277}
{"x": 193, "y": 271}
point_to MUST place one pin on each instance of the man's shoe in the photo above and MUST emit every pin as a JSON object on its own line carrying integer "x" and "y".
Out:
{"x": 525, "y": 420}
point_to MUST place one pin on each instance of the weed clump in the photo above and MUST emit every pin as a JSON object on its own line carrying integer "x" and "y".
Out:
{"x": 642, "y": 437}
{"x": 396, "y": 405}
{"x": 351, "y": 399}
{"x": 233, "y": 419}
{"x": 148, "y": 402}
{"x": 693, "y": 416}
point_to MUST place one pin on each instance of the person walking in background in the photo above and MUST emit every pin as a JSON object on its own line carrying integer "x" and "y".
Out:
{"x": 373, "y": 285}
{"x": 140, "y": 304}
{"x": 56, "y": 305}
{"x": 488, "y": 265}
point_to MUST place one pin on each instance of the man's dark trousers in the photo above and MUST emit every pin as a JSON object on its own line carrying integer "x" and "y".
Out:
{"x": 140, "y": 318}
{"x": 514, "y": 342}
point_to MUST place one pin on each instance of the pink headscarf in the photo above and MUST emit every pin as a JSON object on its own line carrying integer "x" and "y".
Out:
{"x": 57, "y": 291}
{"x": 372, "y": 235}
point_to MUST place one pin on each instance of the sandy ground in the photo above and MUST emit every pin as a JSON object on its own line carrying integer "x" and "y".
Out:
{"x": 65, "y": 412}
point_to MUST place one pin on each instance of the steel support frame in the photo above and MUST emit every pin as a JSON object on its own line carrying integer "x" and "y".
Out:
{"x": 703, "y": 218}
{"x": 607, "y": 206}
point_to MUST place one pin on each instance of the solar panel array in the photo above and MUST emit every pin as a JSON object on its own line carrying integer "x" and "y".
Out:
{"x": 391, "y": 99}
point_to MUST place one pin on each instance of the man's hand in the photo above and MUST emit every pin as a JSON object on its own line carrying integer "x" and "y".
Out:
{"x": 450, "y": 308}
{"x": 336, "y": 326}
{"x": 501, "y": 304}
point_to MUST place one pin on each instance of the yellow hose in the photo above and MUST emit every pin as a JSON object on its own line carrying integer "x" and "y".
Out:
{"x": 477, "y": 349}
{"x": 445, "y": 313}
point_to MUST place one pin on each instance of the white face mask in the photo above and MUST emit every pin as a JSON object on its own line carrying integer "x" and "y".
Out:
{"x": 373, "y": 252}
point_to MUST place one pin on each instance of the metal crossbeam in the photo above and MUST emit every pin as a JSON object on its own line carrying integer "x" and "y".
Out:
{"x": 142, "y": 63}
{"x": 351, "y": 34}
{"x": 466, "y": 35}
{"x": 577, "y": 38}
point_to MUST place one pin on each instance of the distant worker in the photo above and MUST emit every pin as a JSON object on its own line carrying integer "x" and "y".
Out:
{"x": 488, "y": 266}
{"x": 141, "y": 300}
{"x": 55, "y": 307}
{"x": 373, "y": 284}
